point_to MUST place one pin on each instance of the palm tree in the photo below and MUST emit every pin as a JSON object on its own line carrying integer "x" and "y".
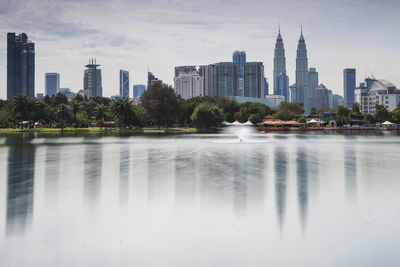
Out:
{"x": 62, "y": 113}
{"x": 24, "y": 106}
{"x": 76, "y": 106}
{"x": 123, "y": 111}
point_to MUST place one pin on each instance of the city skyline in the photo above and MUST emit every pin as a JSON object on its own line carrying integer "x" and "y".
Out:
{"x": 64, "y": 41}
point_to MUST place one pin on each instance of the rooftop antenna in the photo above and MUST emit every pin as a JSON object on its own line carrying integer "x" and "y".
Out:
{"x": 279, "y": 29}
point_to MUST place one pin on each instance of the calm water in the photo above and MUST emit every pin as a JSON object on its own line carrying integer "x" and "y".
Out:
{"x": 200, "y": 200}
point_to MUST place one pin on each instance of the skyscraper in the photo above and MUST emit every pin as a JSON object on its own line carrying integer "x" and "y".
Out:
{"x": 282, "y": 86}
{"x": 349, "y": 85}
{"x": 227, "y": 78}
{"x": 138, "y": 90}
{"x": 20, "y": 65}
{"x": 123, "y": 83}
{"x": 253, "y": 80}
{"x": 92, "y": 79}
{"x": 321, "y": 97}
{"x": 302, "y": 84}
{"x": 293, "y": 96}
{"x": 52, "y": 83}
{"x": 266, "y": 87}
{"x": 189, "y": 85}
{"x": 279, "y": 61}
{"x": 151, "y": 79}
{"x": 313, "y": 84}
{"x": 239, "y": 57}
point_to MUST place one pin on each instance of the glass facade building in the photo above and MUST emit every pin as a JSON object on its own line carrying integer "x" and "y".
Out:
{"x": 52, "y": 83}
{"x": 349, "y": 85}
{"x": 124, "y": 83}
{"x": 138, "y": 90}
{"x": 20, "y": 65}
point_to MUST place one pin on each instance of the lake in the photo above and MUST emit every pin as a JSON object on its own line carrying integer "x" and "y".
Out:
{"x": 200, "y": 200}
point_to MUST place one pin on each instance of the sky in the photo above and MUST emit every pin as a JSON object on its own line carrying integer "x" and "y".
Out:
{"x": 135, "y": 35}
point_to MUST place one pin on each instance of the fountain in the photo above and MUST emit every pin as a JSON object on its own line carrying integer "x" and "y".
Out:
{"x": 241, "y": 130}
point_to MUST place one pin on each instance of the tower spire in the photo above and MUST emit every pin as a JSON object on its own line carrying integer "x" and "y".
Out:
{"x": 279, "y": 28}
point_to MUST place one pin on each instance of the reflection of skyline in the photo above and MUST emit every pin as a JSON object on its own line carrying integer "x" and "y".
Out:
{"x": 124, "y": 174}
{"x": 52, "y": 170}
{"x": 350, "y": 171}
{"x": 20, "y": 187}
{"x": 92, "y": 172}
{"x": 281, "y": 164}
{"x": 302, "y": 185}
{"x": 186, "y": 170}
{"x": 240, "y": 164}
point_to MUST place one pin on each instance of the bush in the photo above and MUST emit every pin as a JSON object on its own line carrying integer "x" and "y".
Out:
{"x": 207, "y": 115}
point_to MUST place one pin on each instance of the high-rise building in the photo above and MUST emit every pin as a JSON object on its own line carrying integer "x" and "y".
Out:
{"x": 275, "y": 100}
{"x": 302, "y": 74}
{"x": 92, "y": 79}
{"x": 321, "y": 97}
{"x": 253, "y": 80}
{"x": 313, "y": 84}
{"x": 152, "y": 79}
{"x": 337, "y": 100}
{"x": 239, "y": 57}
{"x": 279, "y": 62}
{"x": 293, "y": 96}
{"x": 208, "y": 72}
{"x": 349, "y": 85}
{"x": 282, "y": 86}
{"x": 373, "y": 91}
{"x": 20, "y": 65}
{"x": 52, "y": 83}
{"x": 330, "y": 99}
{"x": 138, "y": 90}
{"x": 189, "y": 85}
{"x": 266, "y": 87}
{"x": 184, "y": 69}
{"x": 123, "y": 83}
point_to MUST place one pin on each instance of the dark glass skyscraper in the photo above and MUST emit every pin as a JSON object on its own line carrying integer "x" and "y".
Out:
{"x": 349, "y": 85}
{"x": 92, "y": 79}
{"x": 254, "y": 79}
{"x": 151, "y": 79}
{"x": 282, "y": 86}
{"x": 123, "y": 83}
{"x": 20, "y": 65}
{"x": 239, "y": 57}
{"x": 52, "y": 83}
{"x": 138, "y": 90}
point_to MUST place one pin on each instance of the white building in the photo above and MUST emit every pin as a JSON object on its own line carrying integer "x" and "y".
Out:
{"x": 373, "y": 92}
{"x": 275, "y": 100}
{"x": 189, "y": 85}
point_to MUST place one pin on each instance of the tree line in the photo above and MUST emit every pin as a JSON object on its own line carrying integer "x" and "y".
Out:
{"x": 159, "y": 107}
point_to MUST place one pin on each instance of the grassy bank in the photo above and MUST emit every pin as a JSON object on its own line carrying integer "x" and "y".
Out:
{"x": 98, "y": 130}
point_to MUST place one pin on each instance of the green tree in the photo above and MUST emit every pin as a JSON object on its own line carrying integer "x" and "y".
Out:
{"x": 62, "y": 113}
{"x": 289, "y": 110}
{"x": 248, "y": 109}
{"x": 381, "y": 113}
{"x": 162, "y": 104}
{"x": 76, "y": 106}
{"x": 58, "y": 99}
{"x": 101, "y": 112}
{"x": 123, "y": 111}
{"x": 356, "y": 108}
{"x": 24, "y": 106}
{"x": 396, "y": 114}
{"x": 207, "y": 115}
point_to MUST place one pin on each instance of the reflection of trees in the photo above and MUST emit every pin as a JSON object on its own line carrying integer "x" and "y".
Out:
{"x": 186, "y": 170}
{"x": 93, "y": 164}
{"x": 281, "y": 165}
{"x": 20, "y": 187}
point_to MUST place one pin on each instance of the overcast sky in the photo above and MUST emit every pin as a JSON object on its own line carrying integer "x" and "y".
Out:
{"x": 160, "y": 34}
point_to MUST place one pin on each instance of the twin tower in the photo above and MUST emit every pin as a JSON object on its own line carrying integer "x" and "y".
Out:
{"x": 302, "y": 92}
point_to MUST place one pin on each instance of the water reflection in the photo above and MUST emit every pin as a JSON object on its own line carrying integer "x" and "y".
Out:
{"x": 302, "y": 185}
{"x": 92, "y": 171}
{"x": 20, "y": 188}
{"x": 240, "y": 168}
{"x": 124, "y": 174}
{"x": 281, "y": 165}
{"x": 350, "y": 171}
{"x": 186, "y": 171}
{"x": 52, "y": 172}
